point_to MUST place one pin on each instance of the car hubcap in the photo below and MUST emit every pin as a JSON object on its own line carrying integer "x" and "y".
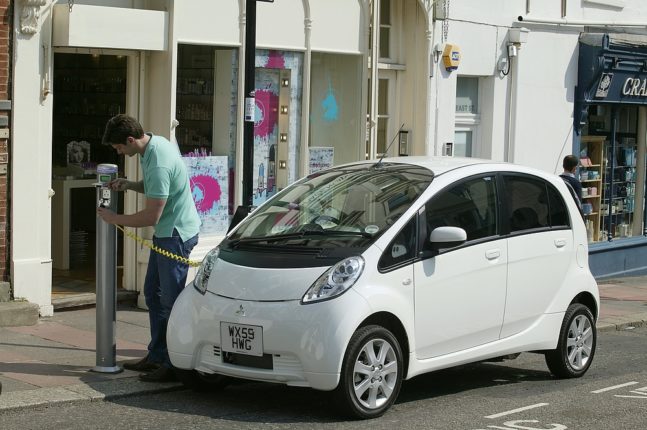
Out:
{"x": 579, "y": 344}
{"x": 375, "y": 373}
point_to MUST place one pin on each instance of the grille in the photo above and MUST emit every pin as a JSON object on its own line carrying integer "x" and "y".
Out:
{"x": 264, "y": 362}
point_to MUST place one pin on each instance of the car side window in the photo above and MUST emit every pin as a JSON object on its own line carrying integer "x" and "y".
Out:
{"x": 470, "y": 205}
{"x": 527, "y": 203}
{"x": 558, "y": 212}
{"x": 402, "y": 248}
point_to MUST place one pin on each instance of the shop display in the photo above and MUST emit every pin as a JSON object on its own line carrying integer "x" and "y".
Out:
{"x": 90, "y": 89}
{"x": 608, "y": 176}
{"x": 195, "y": 93}
{"x": 591, "y": 173}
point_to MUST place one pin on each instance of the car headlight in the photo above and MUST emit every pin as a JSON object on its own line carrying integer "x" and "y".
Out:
{"x": 204, "y": 271}
{"x": 335, "y": 281}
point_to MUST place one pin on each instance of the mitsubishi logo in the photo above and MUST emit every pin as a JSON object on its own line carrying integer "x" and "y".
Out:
{"x": 241, "y": 311}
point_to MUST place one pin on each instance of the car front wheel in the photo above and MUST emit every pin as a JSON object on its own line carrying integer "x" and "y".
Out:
{"x": 576, "y": 345}
{"x": 371, "y": 373}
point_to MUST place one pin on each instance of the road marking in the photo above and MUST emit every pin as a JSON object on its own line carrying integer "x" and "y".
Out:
{"x": 632, "y": 397}
{"x": 615, "y": 387}
{"x": 514, "y": 411}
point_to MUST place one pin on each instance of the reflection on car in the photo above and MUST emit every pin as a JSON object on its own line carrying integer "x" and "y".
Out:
{"x": 358, "y": 277}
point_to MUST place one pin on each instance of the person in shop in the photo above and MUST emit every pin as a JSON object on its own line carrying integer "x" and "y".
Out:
{"x": 171, "y": 211}
{"x": 569, "y": 164}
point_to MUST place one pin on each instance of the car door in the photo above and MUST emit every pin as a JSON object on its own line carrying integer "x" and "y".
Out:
{"x": 460, "y": 292}
{"x": 540, "y": 249}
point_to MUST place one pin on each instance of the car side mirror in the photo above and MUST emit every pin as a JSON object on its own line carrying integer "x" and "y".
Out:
{"x": 444, "y": 237}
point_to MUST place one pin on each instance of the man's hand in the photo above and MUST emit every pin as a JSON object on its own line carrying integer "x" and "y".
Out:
{"x": 119, "y": 184}
{"x": 107, "y": 215}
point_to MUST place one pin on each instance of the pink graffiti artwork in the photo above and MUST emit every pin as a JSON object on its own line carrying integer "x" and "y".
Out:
{"x": 206, "y": 192}
{"x": 267, "y": 104}
{"x": 275, "y": 60}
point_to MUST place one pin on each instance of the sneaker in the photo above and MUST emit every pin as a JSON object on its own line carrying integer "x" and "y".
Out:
{"x": 141, "y": 365}
{"x": 162, "y": 374}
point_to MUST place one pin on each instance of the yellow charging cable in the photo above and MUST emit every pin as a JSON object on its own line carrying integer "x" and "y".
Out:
{"x": 159, "y": 250}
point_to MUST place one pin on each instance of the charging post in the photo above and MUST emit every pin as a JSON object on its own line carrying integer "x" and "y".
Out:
{"x": 106, "y": 266}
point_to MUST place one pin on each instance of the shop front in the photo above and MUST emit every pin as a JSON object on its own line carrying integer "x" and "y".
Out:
{"x": 181, "y": 75}
{"x": 611, "y": 118}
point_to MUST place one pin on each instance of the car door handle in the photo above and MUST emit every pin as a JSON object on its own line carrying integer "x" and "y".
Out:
{"x": 492, "y": 254}
{"x": 560, "y": 243}
{"x": 406, "y": 281}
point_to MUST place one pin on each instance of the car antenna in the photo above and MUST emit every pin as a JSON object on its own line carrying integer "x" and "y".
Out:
{"x": 386, "y": 151}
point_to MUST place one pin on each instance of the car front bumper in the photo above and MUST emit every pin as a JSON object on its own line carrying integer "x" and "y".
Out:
{"x": 306, "y": 342}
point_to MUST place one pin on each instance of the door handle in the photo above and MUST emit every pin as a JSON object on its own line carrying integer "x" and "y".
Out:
{"x": 560, "y": 243}
{"x": 492, "y": 254}
{"x": 406, "y": 281}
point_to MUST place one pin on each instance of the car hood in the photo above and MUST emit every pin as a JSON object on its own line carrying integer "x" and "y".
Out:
{"x": 261, "y": 284}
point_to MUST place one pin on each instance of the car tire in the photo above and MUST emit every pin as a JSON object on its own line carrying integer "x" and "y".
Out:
{"x": 371, "y": 374}
{"x": 201, "y": 381}
{"x": 576, "y": 345}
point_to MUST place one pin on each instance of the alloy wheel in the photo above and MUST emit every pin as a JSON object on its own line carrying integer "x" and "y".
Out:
{"x": 375, "y": 373}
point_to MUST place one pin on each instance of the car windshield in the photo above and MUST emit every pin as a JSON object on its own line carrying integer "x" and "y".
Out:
{"x": 352, "y": 204}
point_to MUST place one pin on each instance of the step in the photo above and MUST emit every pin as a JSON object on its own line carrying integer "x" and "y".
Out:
{"x": 90, "y": 299}
{"x": 18, "y": 313}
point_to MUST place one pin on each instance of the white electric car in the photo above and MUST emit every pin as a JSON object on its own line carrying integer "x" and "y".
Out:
{"x": 360, "y": 276}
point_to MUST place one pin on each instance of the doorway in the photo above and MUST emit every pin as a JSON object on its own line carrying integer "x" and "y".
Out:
{"x": 88, "y": 90}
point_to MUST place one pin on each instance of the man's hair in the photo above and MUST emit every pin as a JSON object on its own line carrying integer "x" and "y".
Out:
{"x": 570, "y": 162}
{"x": 119, "y": 128}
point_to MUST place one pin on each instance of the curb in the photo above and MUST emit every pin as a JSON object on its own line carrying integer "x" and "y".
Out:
{"x": 621, "y": 324}
{"x": 96, "y": 391}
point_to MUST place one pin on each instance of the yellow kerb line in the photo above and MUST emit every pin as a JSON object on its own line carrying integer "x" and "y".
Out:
{"x": 159, "y": 250}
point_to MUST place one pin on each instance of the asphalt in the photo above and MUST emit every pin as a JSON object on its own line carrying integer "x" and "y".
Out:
{"x": 51, "y": 362}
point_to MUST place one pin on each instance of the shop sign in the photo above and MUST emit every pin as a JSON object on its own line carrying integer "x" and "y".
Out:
{"x": 635, "y": 87}
{"x": 604, "y": 85}
{"x": 619, "y": 87}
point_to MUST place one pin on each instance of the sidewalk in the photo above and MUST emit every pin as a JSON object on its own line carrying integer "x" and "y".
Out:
{"x": 49, "y": 363}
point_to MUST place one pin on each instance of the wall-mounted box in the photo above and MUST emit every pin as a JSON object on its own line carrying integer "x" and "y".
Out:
{"x": 110, "y": 27}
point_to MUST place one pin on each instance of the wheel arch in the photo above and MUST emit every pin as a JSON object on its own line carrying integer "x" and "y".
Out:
{"x": 395, "y": 326}
{"x": 586, "y": 298}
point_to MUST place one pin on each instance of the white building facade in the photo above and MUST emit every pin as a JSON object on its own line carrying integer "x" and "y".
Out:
{"x": 336, "y": 81}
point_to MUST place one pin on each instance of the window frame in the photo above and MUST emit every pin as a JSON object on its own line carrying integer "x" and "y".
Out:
{"x": 423, "y": 239}
{"x": 416, "y": 247}
{"x": 470, "y": 122}
{"x": 506, "y": 210}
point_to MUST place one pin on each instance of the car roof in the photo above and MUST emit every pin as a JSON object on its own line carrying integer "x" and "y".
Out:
{"x": 443, "y": 164}
{"x": 438, "y": 165}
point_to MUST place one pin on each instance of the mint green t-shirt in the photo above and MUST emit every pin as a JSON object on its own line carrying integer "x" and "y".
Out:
{"x": 165, "y": 177}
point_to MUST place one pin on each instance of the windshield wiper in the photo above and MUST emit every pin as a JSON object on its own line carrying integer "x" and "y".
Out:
{"x": 298, "y": 235}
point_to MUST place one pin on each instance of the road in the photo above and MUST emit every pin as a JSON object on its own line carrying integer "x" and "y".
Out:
{"x": 513, "y": 395}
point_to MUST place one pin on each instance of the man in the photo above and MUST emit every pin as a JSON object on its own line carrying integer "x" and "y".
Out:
{"x": 171, "y": 210}
{"x": 568, "y": 175}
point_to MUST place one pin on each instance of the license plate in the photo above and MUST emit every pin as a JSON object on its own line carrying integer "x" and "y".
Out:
{"x": 241, "y": 338}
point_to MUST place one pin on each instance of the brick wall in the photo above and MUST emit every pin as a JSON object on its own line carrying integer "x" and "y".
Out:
{"x": 6, "y": 19}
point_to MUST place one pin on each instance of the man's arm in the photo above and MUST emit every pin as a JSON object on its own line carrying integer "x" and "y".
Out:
{"x": 147, "y": 217}
{"x": 121, "y": 184}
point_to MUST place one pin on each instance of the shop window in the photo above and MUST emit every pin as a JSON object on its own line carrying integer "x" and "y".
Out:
{"x": 609, "y": 173}
{"x": 335, "y": 134}
{"x": 90, "y": 89}
{"x": 206, "y": 98}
